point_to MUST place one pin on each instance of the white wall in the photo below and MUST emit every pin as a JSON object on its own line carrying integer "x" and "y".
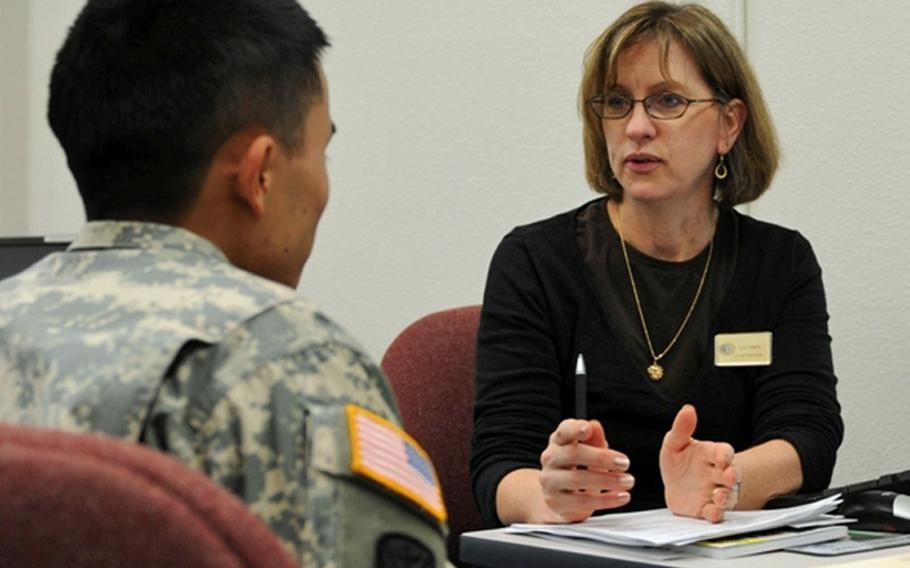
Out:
{"x": 37, "y": 194}
{"x": 457, "y": 121}
{"x": 53, "y": 202}
{"x": 835, "y": 74}
{"x": 13, "y": 102}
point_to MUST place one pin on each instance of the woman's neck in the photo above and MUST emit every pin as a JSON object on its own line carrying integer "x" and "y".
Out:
{"x": 666, "y": 232}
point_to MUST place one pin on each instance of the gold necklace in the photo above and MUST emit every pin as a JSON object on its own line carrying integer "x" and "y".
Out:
{"x": 655, "y": 370}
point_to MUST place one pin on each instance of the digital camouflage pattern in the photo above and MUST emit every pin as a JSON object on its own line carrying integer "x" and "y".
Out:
{"x": 146, "y": 332}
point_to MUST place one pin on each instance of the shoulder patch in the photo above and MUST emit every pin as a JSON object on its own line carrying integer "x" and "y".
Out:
{"x": 384, "y": 453}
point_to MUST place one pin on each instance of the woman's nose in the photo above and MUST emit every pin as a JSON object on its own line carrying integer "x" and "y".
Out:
{"x": 640, "y": 124}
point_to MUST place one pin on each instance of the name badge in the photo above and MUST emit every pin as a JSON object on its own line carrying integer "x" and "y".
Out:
{"x": 742, "y": 349}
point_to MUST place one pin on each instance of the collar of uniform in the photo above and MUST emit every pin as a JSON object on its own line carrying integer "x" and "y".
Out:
{"x": 138, "y": 235}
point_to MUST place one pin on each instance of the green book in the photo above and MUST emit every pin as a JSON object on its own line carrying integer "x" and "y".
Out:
{"x": 764, "y": 541}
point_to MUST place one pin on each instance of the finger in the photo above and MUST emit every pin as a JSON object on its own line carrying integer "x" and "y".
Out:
{"x": 588, "y": 481}
{"x": 728, "y": 477}
{"x": 619, "y": 462}
{"x": 571, "y": 430}
{"x": 680, "y": 434}
{"x": 723, "y": 454}
{"x": 566, "y": 482}
{"x": 575, "y": 479}
{"x": 712, "y": 513}
{"x": 721, "y": 497}
{"x": 598, "y": 437}
{"x": 570, "y": 503}
{"x": 611, "y": 461}
{"x": 575, "y": 455}
{"x": 722, "y": 475}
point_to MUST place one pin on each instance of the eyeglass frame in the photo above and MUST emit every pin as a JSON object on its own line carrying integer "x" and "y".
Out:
{"x": 591, "y": 104}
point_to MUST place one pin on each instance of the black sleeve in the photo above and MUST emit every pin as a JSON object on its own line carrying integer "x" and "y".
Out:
{"x": 518, "y": 385}
{"x": 795, "y": 398}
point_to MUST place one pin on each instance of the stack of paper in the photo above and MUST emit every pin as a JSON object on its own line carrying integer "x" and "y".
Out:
{"x": 765, "y": 541}
{"x": 660, "y": 527}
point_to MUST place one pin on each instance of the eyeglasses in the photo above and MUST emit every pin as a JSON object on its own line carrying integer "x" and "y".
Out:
{"x": 661, "y": 106}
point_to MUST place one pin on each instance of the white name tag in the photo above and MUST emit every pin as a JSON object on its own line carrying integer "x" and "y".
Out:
{"x": 742, "y": 349}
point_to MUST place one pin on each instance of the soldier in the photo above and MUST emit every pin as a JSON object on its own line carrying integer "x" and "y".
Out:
{"x": 196, "y": 132}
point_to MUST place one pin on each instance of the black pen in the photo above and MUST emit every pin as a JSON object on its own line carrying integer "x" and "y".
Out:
{"x": 581, "y": 389}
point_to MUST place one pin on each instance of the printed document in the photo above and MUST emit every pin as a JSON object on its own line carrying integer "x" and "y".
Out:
{"x": 660, "y": 527}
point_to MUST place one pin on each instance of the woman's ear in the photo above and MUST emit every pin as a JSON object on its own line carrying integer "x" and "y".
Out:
{"x": 255, "y": 172}
{"x": 733, "y": 117}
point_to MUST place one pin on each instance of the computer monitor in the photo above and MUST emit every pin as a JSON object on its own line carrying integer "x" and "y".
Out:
{"x": 18, "y": 253}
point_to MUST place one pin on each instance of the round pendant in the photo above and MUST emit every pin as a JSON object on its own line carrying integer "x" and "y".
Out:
{"x": 655, "y": 372}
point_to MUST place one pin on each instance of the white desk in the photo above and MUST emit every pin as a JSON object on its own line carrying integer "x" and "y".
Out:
{"x": 496, "y": 548}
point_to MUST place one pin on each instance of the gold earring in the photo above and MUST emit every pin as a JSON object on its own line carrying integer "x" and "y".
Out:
{"x": 720, "y": 170}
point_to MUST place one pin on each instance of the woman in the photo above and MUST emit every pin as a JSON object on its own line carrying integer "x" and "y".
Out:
{"x": 654, "y": 286}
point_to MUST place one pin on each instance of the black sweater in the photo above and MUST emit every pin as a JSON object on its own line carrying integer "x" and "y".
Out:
{"x": 541, "y": 310}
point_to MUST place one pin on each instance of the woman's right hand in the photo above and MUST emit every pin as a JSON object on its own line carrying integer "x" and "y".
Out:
{"x": 580, "y": 473}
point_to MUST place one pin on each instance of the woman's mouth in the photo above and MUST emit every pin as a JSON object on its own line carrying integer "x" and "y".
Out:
{"x": 642, "y": 163}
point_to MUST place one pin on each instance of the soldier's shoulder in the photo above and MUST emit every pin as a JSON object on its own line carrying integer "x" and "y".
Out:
{"x": 297, "y": 324}
{"x": 298, "y": 341}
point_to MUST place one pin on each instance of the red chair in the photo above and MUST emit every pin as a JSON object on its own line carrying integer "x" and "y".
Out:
{"x": 431, "y": 367}
{"x": 85, "y": 500}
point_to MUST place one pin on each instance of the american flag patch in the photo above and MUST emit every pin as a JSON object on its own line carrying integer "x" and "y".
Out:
{"x": 385, "y": 453}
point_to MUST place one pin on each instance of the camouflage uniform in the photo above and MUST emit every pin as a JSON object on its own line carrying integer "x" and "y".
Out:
{"x": 146, "y": 332}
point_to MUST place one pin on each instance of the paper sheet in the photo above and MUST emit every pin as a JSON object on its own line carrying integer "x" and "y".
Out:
{"x": 660, "y": 527}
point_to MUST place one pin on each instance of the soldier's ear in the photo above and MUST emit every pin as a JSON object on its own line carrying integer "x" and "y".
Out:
{"x": 255, "y": 172}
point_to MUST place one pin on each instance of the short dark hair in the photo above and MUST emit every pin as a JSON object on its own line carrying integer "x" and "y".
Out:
{"x": 144, "y": 92}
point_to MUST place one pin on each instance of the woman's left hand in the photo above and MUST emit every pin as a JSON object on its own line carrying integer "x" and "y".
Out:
{"x": 699, "y": 477}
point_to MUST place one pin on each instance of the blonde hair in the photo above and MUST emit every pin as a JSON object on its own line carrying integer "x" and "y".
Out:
{"x": 753, "y": 158}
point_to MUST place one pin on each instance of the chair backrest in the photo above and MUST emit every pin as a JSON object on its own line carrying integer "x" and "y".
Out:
{"x": 85, "y": 500}
{"x": 431, "y": 367}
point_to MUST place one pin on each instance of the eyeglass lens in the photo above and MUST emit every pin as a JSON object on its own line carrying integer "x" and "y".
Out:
{"x": 658, "y": 105}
